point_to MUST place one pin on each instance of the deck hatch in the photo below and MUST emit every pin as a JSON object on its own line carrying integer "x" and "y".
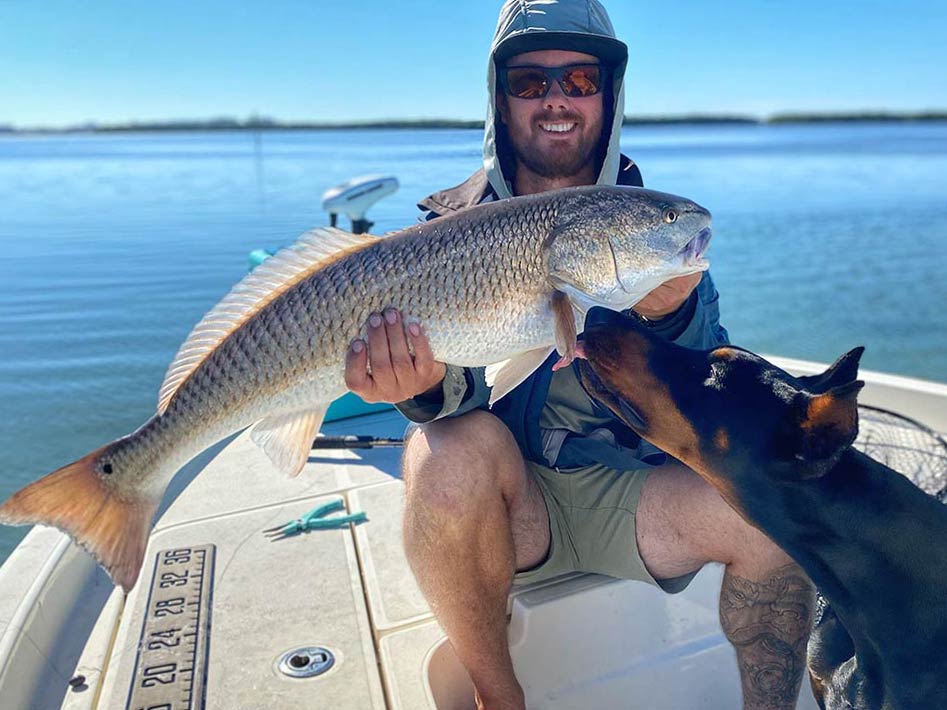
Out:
{"x": 171, "y": 664}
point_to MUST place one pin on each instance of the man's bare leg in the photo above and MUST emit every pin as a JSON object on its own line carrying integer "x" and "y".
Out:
{"x": 766, "y": 601}
{"x": 473, "y": 516}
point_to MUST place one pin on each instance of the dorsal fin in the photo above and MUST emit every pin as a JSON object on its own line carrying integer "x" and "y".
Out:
{"x": 287, "y": 267}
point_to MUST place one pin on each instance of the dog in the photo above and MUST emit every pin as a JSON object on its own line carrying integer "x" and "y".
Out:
{"x": 778, "y": 449}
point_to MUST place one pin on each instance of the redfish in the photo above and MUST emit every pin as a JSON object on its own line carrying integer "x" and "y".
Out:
{"x": 500, "y": 284}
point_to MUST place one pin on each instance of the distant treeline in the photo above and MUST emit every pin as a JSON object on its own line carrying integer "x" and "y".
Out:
{"x": 854, "y": 117}
{"x": 233, "y": 124}
{"x": 869, "y": 116}
{"x": 266, "y": 124}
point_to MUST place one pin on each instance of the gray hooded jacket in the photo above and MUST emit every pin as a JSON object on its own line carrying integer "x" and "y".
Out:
{"x": 553, "y": 419}
{"x": 583, "y": 26}
{"x": 527, "y": 25}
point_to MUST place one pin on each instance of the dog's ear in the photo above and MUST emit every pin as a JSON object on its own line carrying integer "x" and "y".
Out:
{"x": 842, "y": 372}
{"x": 826, "y": 425}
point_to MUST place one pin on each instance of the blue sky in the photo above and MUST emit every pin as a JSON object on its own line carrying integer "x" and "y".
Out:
{"x": 65, "y": 62}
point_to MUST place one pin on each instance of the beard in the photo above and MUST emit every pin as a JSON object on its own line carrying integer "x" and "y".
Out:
{"x": 561, "y": 160}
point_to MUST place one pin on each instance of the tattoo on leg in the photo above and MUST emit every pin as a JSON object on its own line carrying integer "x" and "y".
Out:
{"x": 768, "y": 622}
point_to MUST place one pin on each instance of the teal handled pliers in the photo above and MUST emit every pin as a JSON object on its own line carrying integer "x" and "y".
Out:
{"x": 316, "y": 519}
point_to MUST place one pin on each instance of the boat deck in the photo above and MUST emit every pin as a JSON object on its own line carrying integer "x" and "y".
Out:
{"x": 350, "y": 591}
{"x": 578, "y": 642}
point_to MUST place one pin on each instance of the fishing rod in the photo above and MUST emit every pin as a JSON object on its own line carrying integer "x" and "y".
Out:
{"x": 355, "y": 442}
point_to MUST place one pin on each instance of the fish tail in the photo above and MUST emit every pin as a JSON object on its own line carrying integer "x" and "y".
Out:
{"x": 77, "y": 500}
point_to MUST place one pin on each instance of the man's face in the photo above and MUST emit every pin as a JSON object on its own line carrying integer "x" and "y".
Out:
{"x": 532, "y": 123}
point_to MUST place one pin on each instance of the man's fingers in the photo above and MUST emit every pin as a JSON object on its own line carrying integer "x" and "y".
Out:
{"x": 669, "y": 296}
{"x": 395, "y": 375}
{"x": 357, "y": 378}
{"x": 378, "y": 348}
{"x": 401, "y": 364}
{"x": 424, "y": 361}
{"x": 688, "y": 282}
{"x": 680, "y": 285}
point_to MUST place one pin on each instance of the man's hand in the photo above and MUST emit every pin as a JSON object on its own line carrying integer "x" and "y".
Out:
{"x": 396, "y": 375}
{"x": 667, "y": 297}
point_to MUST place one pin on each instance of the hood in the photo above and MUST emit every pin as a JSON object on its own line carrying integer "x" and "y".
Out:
{"x": 578, "y": 25}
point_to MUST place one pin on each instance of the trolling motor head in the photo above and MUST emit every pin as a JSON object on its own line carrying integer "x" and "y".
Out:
{"x": 354, "y": 197}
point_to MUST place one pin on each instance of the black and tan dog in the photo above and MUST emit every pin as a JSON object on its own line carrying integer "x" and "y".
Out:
{"x": 778, "y": 448}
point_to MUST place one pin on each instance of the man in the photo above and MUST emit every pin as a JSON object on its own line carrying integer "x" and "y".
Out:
{"x": 549, "y": 482}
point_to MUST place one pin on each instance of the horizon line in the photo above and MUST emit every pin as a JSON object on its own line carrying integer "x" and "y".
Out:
{"x": 256, "y": 122}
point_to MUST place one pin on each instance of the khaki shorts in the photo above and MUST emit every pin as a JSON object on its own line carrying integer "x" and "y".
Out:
{"x": 592, "y": 525}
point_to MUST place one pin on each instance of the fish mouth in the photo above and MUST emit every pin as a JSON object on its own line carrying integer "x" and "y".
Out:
{"x": 692, "y": 253}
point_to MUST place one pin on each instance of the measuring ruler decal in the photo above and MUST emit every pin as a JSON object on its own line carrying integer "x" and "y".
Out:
{"x": 171, "y": 665}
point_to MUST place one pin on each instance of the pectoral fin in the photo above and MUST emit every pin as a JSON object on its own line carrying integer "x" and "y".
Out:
{"x": 565, "y": 317}
{"x": 287, "y": 439}
{"x": 503, "y": 377}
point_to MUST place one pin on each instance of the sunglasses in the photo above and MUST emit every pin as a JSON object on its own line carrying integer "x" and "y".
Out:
{"x": 534, "y": 82}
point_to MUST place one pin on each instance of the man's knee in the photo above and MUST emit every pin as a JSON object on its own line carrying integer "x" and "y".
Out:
{"x": 760, "y": 552}
{"x": 450, "y": 461}
{"x": 744, "y": 544}
{"x": 683, "y": 523}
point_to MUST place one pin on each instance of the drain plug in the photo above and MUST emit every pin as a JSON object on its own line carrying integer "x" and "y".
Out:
{"x": 306, "y": 662}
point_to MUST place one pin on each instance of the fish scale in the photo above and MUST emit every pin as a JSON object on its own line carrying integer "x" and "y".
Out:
{"x": 487, "y": 284}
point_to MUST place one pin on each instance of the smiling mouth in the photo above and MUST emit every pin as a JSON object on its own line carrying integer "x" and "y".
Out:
{"x": 559, "y": 127}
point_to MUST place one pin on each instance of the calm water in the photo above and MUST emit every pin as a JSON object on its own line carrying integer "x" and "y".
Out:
{"x": 112, "y": 247}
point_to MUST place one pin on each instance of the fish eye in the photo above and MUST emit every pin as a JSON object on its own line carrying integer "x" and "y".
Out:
{"x": 670, "y": 216}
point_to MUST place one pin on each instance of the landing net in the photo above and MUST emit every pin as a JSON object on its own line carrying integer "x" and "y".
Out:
{"x": 905, "y": 445}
